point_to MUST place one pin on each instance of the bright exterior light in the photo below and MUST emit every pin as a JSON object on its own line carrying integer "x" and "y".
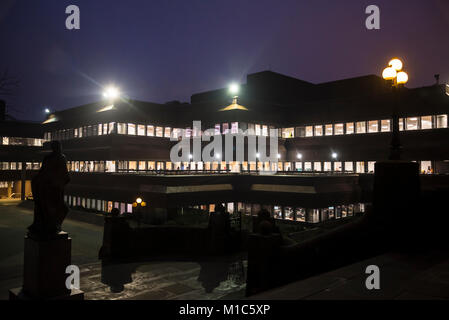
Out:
{"x": 257, "y": 155}
{"x": 396, "y": 64}
{"x": 279, "y": 156}
{"x": 143, "y": 204}
{"x": 47, "y": 110}
{"x": 217, "y": 156}
{"x": 389, "y": 73}
{"x": 402, "y": 77}
{"x": 190, "y": 156}
{"x": 139, "y": 200}
{"x": 334, "y": 155}
{"x": 234, "y": 88}
{"x": 299, "y": 156}
{"x": 111, "y": 93}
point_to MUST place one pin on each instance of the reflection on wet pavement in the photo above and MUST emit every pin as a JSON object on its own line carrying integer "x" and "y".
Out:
{"x": 214, "y": 278}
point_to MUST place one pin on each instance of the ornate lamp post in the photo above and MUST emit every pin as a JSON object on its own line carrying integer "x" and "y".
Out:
{"x": 139, "y": 203}
{"x": 397, "y": 79}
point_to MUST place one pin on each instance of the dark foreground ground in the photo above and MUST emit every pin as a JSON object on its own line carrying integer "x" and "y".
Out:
{"x": 217, "y": 278}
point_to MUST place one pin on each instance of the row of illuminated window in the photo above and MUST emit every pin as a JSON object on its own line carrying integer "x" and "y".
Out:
{"x": 233, "y": 167}
{"x": 16, "y": 141}
{"x": 97, "y": 205}
{"x": 18, "y": 165}
{"x": 289, "y": 212}
{"x": 372, "y": 126}
{"x": 153, "y": 131}
{"x": 278, "y": 212}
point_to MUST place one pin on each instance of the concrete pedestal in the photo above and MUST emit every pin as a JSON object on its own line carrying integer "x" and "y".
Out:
{"x": 45, "y": 262}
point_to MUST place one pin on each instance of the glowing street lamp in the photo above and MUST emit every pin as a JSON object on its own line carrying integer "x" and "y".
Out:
{"x": 394, "y": 73}
{"x": 47, "y": 111}
{"x": 397, "y": 78}
{"x": 299, "y": 156}
{"x": 334, "y": 155}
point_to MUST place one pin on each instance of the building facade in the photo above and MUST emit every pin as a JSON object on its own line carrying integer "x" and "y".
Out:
{"x": 329, "y": 137}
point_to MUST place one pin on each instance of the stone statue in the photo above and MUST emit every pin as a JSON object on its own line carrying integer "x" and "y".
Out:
{"x": 48, "y": 192}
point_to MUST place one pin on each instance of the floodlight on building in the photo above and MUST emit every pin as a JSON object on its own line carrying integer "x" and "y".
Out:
{"x": 234, "y": 88}
{"x": 190, "y": 156}
{"x": 257, "y": 155}
{"x": 402, "y": 77}
{"x": 111, "y": 93}
{"x": 299, "y": 156}
{"x": 396, "y": 64}
{"x": 139, "y": 200}
{"x": 334, "y": 155}
{"x": 47, "y": 111}
{"x": 279, "y": 156}
{"x": 217, "y": 156}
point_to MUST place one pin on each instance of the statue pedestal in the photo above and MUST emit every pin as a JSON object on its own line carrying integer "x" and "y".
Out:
{"x": 45, "y": 262}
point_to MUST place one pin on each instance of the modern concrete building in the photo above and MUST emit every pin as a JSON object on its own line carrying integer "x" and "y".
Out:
{"x": 329, "y": 137}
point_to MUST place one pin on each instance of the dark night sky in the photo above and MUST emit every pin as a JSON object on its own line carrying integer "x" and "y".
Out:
{"x": 161, "y": 50}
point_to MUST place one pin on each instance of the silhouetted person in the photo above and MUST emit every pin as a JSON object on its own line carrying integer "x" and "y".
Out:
{"x": 48, "y": 192}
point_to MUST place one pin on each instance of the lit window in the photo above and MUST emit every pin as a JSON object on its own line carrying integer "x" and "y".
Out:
{"x": 150, "y": 131}
{"x": 329, "y": 130}
{"x": 385, "y": 125}
{"x": 234, "y": 127}
{"x": 121, "y": 128}
{"x": 309, "y": 131}
{"x": 111, "y": 128}
{"x": 132, "y": 165}
{"x": 142, "y": 165}
{"x": 151, "y": 165}
{"x": 141, "y": 130}
{"x": 426, "y": 167}
{"x": 373, "y": 126}
{"x": 371, "y": 166}
{"x": 105, "y": 128}
{"x": 307, "y": 166}
{"x": 159, "y": 131}
{"x": 350, "y": 128}
{"x": 110, "y": 166}
{"x": 288, "y": 132}
{"x": 337, "y": 166}
{"x": 225, "y": 128}
{"x": 426, "y": 122}
{"x": 265, "y": 131}
{"x": 100, "y": 129}
{"x": 131, "y": 129}
{"x": 339, "y": 129}
{"x": 217, "y": 129}
{"x": 318, "y": 131}
{"x": 167, "y": 132}
{"x": 5, "y": 141}
{"x": 360, "y": 167}
{"x": 258, "y": 130}
{"x": 361, "y": 127}
{"x": 317, "y": 166}
{"x": 442, "y": 121}
{"x": 349, "y": 166}
{"x": 327, "y": 166}
{"x": 411, "y": 123}
{"x": 176, "y": 133}
{"x": 188, "y": 132}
